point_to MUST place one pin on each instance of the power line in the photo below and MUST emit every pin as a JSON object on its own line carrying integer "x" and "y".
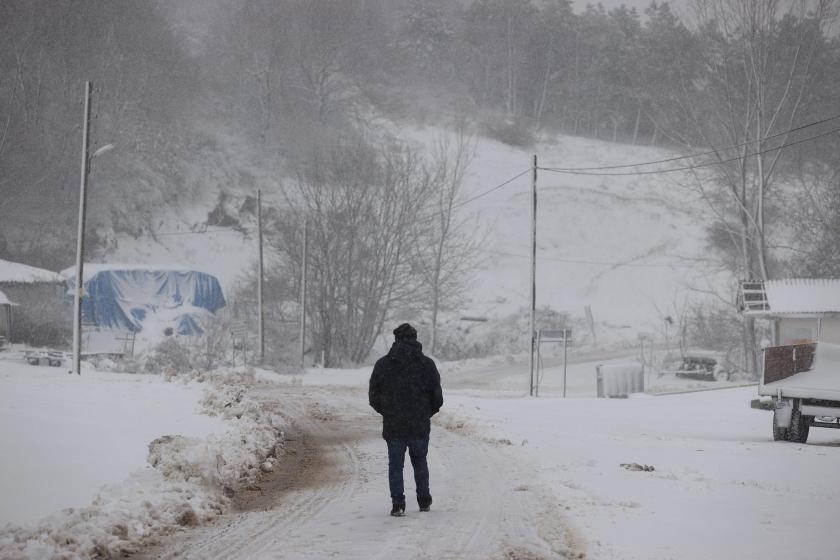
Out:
{"x": 599, "y": 263}
{"x": 476, "y": 197}
{"x": 698, "y": 154}
{"x": 689, "y": 167}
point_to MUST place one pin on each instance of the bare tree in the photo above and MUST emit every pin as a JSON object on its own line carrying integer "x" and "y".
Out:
{"x": 446, "y": 245}
{"x": 757, "y": 70}
{"x": 814, "y": 218}
{"x": 361, "y": 204}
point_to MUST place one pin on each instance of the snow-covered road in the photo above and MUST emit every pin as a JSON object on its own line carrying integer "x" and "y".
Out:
{"x": 516, "y": 477}
{"x": 336, "y": 503}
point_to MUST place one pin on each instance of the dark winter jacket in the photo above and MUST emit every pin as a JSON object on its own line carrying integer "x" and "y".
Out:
{"x": 405, "y": 390}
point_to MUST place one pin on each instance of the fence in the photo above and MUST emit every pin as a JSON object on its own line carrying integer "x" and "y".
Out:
{"x": 98, "y": 341}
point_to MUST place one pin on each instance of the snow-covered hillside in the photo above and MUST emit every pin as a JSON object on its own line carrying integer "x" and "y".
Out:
{"x": 629, "y": 247}
{"x": 624, "y": 245}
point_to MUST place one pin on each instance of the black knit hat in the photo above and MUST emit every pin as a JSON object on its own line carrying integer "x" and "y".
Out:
{"x": 405, "y": 332}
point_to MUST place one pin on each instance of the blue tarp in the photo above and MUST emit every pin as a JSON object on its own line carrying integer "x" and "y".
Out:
{"x": 127, "y": 297}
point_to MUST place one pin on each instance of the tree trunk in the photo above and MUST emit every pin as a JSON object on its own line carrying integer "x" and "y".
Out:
{"x": 636, "y": 126}
{"x": 435, "y": 305}
{"x": 546, "y": 76}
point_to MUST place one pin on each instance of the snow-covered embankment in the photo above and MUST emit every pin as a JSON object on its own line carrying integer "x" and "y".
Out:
{"x": 129, "y": 457}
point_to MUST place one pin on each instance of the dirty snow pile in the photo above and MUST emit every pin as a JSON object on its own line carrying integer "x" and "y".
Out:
{"x": 189, "y": 479}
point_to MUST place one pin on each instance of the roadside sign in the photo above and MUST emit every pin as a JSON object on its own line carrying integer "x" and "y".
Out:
{"x": 555, "y": 335}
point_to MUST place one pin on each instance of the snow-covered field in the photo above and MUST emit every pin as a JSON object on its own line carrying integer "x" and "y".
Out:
{"x": 512, "y": 476}
{"x": 64, "y": 436}
{"x": 721, "y": 487}
{"x": 77, "y": 472}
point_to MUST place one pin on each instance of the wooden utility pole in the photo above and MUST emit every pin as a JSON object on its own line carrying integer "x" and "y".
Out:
{"x": 533, "y": 304}
{"x": 80, "y": 239}
{"x": 260, "y": 332}
{"x": 303, "y": 295}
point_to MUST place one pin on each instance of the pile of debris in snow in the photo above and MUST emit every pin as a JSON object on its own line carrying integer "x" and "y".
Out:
{"x": 190, "y": 481}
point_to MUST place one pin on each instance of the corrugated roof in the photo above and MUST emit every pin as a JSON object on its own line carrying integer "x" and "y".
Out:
{"x": 13, "y": 272}
{"x": 803, "y": 295}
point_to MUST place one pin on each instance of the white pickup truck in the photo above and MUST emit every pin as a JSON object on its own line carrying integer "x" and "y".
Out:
{"x": 801, "y": 371}
{"x": 804, "y": 381}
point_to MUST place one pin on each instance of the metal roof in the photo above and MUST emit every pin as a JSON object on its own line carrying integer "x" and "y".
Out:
{"x": 802, "y": 296}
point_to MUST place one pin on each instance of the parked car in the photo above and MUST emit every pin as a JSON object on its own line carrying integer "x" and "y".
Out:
{"x": 703, "y": 366}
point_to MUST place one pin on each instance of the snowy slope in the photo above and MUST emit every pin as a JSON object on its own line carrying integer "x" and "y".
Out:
{"x": 623, "y": 245}
{"x": 626, "y": 246}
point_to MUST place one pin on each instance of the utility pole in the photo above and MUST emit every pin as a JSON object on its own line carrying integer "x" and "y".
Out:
{"x": 260, "y": 332}
{"x": 80, "y": 239}
{"x": 533, "y": 271}
{"x": 303, "y": 295}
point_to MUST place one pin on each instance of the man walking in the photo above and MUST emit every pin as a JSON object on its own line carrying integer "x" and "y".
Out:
{"x": 405, "y": 390}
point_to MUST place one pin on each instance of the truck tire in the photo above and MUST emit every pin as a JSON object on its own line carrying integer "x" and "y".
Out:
{"x": 799, "y": 427}
{"x": 779, "y": 434}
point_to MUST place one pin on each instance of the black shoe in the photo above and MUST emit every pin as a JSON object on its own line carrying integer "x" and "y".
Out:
{"x": 398, "y": 510}
{"x": 424, "y": 502}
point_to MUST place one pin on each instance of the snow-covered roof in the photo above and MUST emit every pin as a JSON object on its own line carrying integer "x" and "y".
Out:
{"x": 12, "y": 272}
{"x": 803, "y": 295}
{"x": 92, "y": 269}
{"x": 5, "y": 300}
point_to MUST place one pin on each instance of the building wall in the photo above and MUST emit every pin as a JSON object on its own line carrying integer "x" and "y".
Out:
{"x": 797, "y": 331}
{"x": 830, "y": 330}
{"x": 5, "y": 320}
{"x": 43, "y": 315}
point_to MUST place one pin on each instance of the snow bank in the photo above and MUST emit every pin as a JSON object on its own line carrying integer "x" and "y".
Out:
{"x": 189, "y": 481}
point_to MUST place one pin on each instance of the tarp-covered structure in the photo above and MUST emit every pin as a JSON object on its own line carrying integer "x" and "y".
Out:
{"x": 137, "y": 298}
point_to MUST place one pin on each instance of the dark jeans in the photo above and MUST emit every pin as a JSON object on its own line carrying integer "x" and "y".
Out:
{"x": 417, "y": 450}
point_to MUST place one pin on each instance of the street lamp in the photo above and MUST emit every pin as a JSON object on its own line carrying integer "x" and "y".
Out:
{"x": 102, "y": 150}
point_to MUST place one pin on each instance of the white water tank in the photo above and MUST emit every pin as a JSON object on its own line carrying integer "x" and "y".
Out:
{"x": 619, "y": 380}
